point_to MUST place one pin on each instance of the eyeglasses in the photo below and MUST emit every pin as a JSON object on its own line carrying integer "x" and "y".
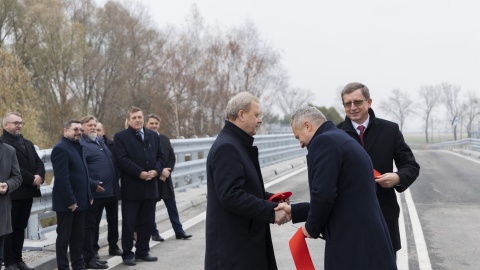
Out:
{"x": 77, "y": 129}
{"x": 356, "y": 102}
{"x": 17, "y": 123}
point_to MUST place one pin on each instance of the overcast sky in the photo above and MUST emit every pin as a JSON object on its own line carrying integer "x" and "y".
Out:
{"x": 383, "y": 44}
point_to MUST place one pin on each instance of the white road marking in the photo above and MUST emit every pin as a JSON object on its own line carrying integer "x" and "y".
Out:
{"x": 402, "y": 254}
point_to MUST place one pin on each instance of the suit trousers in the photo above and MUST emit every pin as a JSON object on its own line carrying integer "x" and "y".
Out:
{"x": 14, "y": 241}
{"x": 136, "y": 215}
{"x": 2, "y": 240}
{"x": 171, "y": 206}
{"x": 110, "y": 205}
{"x": 70, "y": 234}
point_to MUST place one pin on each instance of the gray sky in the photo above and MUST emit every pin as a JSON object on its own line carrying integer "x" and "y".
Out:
{"x": 383, "y": 44}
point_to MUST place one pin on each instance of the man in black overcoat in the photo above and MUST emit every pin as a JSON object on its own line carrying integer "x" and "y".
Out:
{"x": 33, "y": 175}
{"x": 140, "y": 160}
{"x": 238, "y": 211}
{"x": 166, "y": 191}
{"x": 71, "y": 196}
{"x": 385, "y": 144}
{"x": 343, "y": 208}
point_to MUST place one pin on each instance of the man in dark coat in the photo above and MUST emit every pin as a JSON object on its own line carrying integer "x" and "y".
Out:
{"x": 238, "y": 212}
{"x": 110, "y": 206}
{"x": 10, "y": 180}
{"x": 71, "y": 195}
{"x": 139, "y": 157}
{"x": 165, "y": 185}
{"x": 33, "y": 174}
{"x": 103, "y": 173}
{"x": 384, "y": 143}
{"x": 343, "y": 208}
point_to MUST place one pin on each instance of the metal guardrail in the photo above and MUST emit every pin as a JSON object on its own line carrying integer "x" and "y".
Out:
{"x": 190, "y": 170}
{"x": 466, "y": 144}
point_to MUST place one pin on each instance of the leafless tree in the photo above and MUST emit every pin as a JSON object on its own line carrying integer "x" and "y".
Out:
{"x": 399, "y": 105}
{"x": 429, "y": 96}
{"x": 470, "y": 110}
{"x": 450, "y": 100}
{"x": 290, "y": 100}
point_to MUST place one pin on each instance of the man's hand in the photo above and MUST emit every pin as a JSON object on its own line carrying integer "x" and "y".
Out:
{"x": 388, "y": 180}
{"x": 3, "y": 188}
{"x": 152, "y": 174}
{"x": 73, "y": 207}
{"x": 37, "y": 181}
{"x": 145, "y": 176}
{"x": 166, "y": 172}
{"x": 281, "y": 217}
{"x": 100, "y": 188}
{"x": 285, "y": 207}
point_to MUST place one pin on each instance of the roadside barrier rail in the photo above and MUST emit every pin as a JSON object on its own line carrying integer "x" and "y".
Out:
{"x": 190, "y": 170}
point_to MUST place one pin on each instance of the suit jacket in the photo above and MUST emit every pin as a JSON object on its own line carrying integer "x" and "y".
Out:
{"x": 384, "y": 143}
{"x": 10, "y": 174}
{"x": 166, "y": 189}
{"x": 343, "y": 207}
{"x": 30, "y": 164}
{"x": 238, "y": 214}
{"x": 133, "y": 156}
{"x": 71, "y": 184}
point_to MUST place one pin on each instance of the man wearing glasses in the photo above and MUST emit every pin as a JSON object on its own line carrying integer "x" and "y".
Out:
{"x": 71, "y": 195}
{"x": 33, "y": 173}
{"x": 384, "y": 143}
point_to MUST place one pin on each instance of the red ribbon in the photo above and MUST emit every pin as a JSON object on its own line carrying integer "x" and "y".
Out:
{"x": 300, "y": 253}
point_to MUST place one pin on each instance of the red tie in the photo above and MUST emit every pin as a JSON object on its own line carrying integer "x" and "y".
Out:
{"x": 361, "y": 128}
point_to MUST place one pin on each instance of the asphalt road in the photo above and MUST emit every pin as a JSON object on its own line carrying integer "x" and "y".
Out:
{"x": 442, "y": 225}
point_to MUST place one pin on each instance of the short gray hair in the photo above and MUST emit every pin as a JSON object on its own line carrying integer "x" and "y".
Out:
{"x": 8, "y": 114}
{"x": 308, "y": 113}
{"x": 239, "y": 102}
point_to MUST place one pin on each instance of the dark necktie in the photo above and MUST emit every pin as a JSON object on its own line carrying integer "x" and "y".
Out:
{"x": 140, "y": 135}
{"x": 361, "y": 128}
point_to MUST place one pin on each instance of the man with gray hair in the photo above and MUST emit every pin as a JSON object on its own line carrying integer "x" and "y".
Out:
{"x": 343, "y": 208}
{"x": 238, "y": 212}
{"x": 104, "y": 181}
{"x": 10, "y": 180}
{"x": 33, "y": 174}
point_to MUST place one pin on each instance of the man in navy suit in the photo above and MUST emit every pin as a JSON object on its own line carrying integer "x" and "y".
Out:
{"x": 71, "y": 195}
{"x": 140, "y": 159}
{"x": 343, "y": 208}
{"x": 33, "y": 174}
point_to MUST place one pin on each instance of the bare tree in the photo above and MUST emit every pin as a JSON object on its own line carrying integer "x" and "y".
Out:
{"x": 289, "y": 100}
{"x": 450, "y": 100}
{"x": 399, "y": 105}
{"x": 471, "y": 110}
{"x": 429, "y": 95}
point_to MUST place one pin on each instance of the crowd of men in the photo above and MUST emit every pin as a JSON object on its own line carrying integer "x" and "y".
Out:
{"x": 89, "y": 171}
{"x": 92, "y": 173}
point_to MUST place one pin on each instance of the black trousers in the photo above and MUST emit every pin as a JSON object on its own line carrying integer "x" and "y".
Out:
{"x": 14, "y": 241}
{"x": 111, "y": 208}
{"x": 70, "y": 234}
{"x": 136, "y": 215}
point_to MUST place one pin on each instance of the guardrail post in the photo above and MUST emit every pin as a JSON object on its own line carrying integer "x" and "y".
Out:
{"x": 33, "y": 228}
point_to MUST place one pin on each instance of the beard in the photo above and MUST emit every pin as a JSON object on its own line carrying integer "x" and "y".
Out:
{"x": 92, "y": 136}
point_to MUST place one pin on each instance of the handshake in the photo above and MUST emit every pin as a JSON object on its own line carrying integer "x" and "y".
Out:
{"x": 283, "y": 213}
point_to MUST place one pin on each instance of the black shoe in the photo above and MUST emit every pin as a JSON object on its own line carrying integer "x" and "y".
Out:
{"x": 115, "y": 251}
{"x": 129, "y": 262}
{"x": 94, "y": 264}
{"x": 147, "y": 258}
{"x": 182, "y": 235}
{"x": 157, "y": 237}
{"x": 11, "y": 267}
{"x": 23, "y": 266}
{"x": 101, "y": 262}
